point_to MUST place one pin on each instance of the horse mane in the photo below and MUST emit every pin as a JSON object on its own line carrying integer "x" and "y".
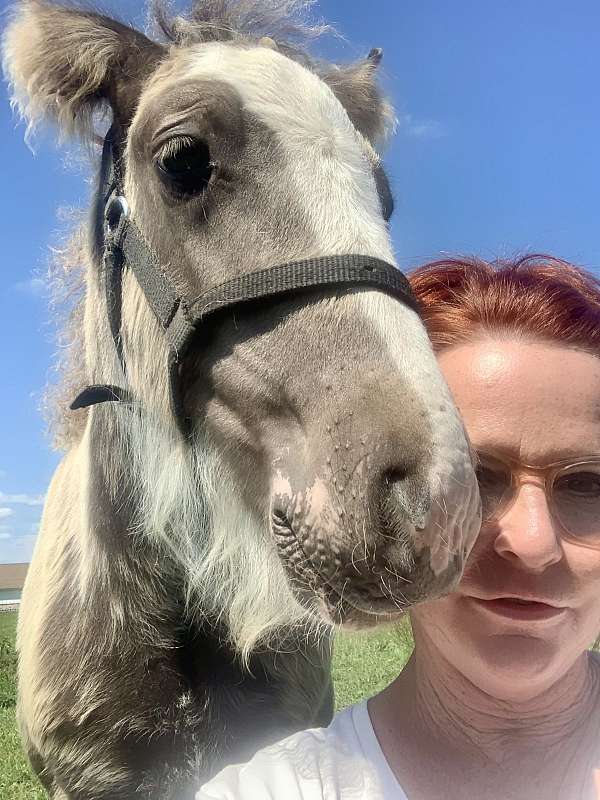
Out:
{"x": 65, "y": 281}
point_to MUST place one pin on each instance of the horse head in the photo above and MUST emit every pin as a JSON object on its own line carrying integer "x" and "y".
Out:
{"x": 327, "y": 476}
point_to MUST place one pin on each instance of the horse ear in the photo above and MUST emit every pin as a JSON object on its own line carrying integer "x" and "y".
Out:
{"x": 356, "y": 88}
{"x": 64, "y": 63}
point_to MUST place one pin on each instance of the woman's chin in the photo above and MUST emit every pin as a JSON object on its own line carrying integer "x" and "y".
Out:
{"x": 515, "y": 667}
{"x": 510, "y": 660}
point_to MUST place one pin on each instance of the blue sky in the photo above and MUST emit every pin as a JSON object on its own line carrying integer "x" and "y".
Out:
{"x": 497, "y": 152}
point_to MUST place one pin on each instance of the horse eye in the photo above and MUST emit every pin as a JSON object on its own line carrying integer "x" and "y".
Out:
{"x": 185, "y": 165}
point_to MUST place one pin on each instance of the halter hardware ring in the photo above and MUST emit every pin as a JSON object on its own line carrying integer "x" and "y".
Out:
{"x": 117, "y": 209}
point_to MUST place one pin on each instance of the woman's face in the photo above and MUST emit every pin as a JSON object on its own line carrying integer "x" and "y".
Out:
{"x": 536, "y": 403}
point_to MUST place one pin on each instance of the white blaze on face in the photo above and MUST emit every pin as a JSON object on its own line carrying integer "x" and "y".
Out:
{"x": 329, "y": 169}
{"x": 329, "y": 172}
{"x": 454, "y": 519}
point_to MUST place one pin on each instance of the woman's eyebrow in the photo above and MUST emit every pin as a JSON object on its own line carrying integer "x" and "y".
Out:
{"x": 548, "y": 456}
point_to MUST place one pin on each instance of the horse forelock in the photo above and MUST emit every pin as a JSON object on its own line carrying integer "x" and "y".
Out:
{"x": 287, "y": 22}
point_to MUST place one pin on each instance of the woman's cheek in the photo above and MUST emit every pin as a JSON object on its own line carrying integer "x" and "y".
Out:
{"x": 583, "y": 564}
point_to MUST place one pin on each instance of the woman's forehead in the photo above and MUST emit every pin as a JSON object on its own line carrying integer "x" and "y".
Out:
{"x": 535, "y": 400}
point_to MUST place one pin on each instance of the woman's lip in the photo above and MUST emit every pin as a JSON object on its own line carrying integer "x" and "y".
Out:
{"x": 522, "y": 610}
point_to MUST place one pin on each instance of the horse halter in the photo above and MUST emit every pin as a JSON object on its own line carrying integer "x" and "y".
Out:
{"x": 181, "y": 318}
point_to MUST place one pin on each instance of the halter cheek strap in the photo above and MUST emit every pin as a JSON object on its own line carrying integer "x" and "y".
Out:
{"x": 123, "y": 247}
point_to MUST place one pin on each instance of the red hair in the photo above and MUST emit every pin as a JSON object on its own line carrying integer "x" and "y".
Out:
{"x": 535, "y": 296}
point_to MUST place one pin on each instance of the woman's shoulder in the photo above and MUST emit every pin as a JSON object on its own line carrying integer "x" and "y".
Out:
{"x": 309, "y": 765}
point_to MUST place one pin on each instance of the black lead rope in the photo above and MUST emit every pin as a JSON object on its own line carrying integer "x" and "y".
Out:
{"x": 123, "y": 247}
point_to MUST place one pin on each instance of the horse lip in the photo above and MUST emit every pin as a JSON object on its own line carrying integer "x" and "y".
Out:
{"x": 340, "y": 599}
{"x": 333, "y": 596}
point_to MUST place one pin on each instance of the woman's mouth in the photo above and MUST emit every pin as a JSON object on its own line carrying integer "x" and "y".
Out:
{"x": 516, "y": 608}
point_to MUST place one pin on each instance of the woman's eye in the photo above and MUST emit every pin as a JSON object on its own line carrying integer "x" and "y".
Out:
{"x": 492, "y": 478}
{"x": 583, "y": 484}
{"x": 185, "y": 166}
{"x": 494, "y": 487}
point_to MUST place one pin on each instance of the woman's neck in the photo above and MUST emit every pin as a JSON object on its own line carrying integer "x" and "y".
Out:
{"x": 446, "y": 703}
{"x": 433, "y": 709}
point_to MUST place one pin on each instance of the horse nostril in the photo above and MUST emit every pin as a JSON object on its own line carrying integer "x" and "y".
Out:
{"x": 403, "y": 496}
{"x": 394, "y": 476}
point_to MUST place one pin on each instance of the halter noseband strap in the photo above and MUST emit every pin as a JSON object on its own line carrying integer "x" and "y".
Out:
{"x": 123, "y": 247}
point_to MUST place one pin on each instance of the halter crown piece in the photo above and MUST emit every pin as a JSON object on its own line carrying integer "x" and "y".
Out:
{"x": 123, "y": 247}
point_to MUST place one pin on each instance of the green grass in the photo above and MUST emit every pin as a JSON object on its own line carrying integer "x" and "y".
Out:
{"x": 8, "y": 625}
{"x": 8, "y": 662}
{"x": 363, "y": 664}
{"x": 16, "y": 780}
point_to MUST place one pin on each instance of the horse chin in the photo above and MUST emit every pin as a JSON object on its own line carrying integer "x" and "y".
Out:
{"x": 350, "y": 618}
{"x": 356, "y": 610}
{"x": 360, "y": 602}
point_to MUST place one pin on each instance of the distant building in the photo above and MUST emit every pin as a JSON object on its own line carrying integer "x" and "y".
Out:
{"x": 12, "y": 578}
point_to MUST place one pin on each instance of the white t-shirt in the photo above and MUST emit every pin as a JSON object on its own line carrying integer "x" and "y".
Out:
{"x": 341, "y": 762}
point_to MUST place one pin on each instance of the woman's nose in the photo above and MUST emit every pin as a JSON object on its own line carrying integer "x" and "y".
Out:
{"x": 528, "y": 535}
